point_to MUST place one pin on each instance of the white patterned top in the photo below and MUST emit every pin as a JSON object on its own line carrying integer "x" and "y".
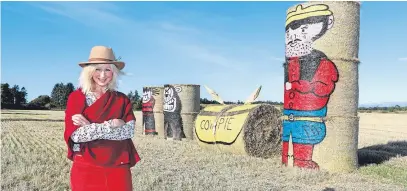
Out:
{"x": 95, "y": 131}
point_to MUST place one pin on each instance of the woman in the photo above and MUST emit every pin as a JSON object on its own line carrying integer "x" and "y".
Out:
{"x": 99, "y": 125}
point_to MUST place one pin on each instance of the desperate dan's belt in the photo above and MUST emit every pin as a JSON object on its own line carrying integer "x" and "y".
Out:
{"x": 291, "y": 117}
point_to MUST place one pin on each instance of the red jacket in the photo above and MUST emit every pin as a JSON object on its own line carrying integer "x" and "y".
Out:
{"x": 111, "y": 105}
{"x": 312, "y": 94}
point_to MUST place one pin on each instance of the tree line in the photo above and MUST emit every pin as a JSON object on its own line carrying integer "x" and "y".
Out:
{"x": 16, "y": 98}
{"x": 12, "y": 97}
{"x": 239, "y": 102}
{"x": 391, "y": 109}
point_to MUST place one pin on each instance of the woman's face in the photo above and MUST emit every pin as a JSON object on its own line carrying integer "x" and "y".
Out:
{"x": 102, "y": 75}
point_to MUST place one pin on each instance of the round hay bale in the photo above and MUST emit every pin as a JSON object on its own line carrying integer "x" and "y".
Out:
{"x": 152, "y": 110}
{"x": 320, "y": 127}
{"x": 252, "y": 129}
{"x": 181, "y": 106}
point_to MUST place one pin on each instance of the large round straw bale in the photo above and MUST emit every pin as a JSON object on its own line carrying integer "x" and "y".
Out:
{"x": 181, "y": 105}
{"x": 252, "y": 129}
{"x": 320, "y": 127}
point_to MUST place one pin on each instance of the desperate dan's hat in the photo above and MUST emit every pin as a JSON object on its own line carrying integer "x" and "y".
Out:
{"x": 310, "y": 11}
{"x": 102, "y": 55}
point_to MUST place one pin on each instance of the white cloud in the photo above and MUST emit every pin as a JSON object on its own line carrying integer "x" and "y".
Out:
{"x": 176, "y": 28}
{"x": 100, "y": 15}
{"x": 403, "y": 59}
{"x": 245, "y": 66}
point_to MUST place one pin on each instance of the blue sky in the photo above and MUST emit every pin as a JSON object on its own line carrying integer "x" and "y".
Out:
{"x": 233, "y": 47}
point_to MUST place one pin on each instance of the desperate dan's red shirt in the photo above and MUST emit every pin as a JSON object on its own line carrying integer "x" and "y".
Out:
{"x": 309, "y": 94}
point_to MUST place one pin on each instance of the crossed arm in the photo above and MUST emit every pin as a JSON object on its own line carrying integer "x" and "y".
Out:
{"x": 105, "y": 130}
{"x": 323, "y": 82}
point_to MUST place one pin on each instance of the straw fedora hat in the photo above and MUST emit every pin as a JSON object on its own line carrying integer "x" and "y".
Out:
{"x": 102, "y": 55}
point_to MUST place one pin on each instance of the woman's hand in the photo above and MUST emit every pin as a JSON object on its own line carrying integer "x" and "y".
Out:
{"x": 117, "y": 123}
{"x": 79, "y": 119}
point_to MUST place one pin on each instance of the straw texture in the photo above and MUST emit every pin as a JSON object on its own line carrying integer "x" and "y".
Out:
{"x": 252, "y": 129}
{"x": 181, "y": 106}
{"x": 320, "y": 127}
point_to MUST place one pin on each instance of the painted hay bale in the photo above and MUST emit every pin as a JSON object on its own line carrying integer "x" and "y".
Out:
{"x": 252, "y": 129}
{"x": 152, "y": 110}
{"x": 320, "y": 127}
{"x": 181, "y": 106}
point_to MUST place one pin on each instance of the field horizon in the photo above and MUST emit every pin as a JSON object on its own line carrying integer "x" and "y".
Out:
{"x": 34, "y": 158}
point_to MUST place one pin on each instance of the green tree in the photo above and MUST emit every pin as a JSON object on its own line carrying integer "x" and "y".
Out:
{"x": 41, "y": 102}
{"x": 135, "y": 99}
{"x": 131, "y": 96}
{"x": 6, "y": 95}
{"x": 13, "y": 97}
{"x": 60, "y": 94}
{"x": 56, "y": 95}
{"x": 68, "y": 89}
{"x": 22, "y": 96}
{"x": 136, "y": 96}
{"x": 14, "y": 92}
{"x": 19, "y": 96}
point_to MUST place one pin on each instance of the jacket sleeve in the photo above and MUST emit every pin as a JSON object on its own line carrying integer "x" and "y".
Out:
{"x": 75, "y": 105}
{"x": 302, "y": 86}
{"x": 121, "y": 133}
{"x": 127, "y": 130}
{"x": 96, "y": 131}
{"x": 128, "y": 111}
{"x": 325, "y": 78}
{"x": 90, "y": 132}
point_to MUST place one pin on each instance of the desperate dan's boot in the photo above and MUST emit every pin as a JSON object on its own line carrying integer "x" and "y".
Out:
{"x": 303, "y": 156}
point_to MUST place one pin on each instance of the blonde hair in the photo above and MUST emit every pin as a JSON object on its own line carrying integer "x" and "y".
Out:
{"x": 86, "y": 82}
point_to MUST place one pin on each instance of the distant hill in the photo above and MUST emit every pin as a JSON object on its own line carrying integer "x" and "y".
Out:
{"x": 384, "y": 104}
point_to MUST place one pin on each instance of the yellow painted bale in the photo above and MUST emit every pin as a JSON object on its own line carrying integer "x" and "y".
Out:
{"x": 252, "y": 129}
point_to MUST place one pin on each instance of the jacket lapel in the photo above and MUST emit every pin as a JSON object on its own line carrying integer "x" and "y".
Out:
{"x": 99, "y": 110}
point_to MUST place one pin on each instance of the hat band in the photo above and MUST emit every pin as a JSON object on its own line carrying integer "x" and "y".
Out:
{"x": 99, "y": 59}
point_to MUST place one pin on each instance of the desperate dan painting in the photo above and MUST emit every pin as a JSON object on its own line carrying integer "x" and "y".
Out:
{"x": 310, "y": 78}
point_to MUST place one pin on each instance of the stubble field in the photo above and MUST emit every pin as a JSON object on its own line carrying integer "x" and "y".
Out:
{"x": 33, "y": 157}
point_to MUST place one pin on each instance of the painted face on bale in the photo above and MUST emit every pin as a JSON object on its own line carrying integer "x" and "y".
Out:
{"x": 169, "y": 100}
{"x": 300, "y": 34}
{"x": 147, "y": 93}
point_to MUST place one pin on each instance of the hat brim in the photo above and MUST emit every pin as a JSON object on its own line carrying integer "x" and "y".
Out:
{"x": 120, "y": 65}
